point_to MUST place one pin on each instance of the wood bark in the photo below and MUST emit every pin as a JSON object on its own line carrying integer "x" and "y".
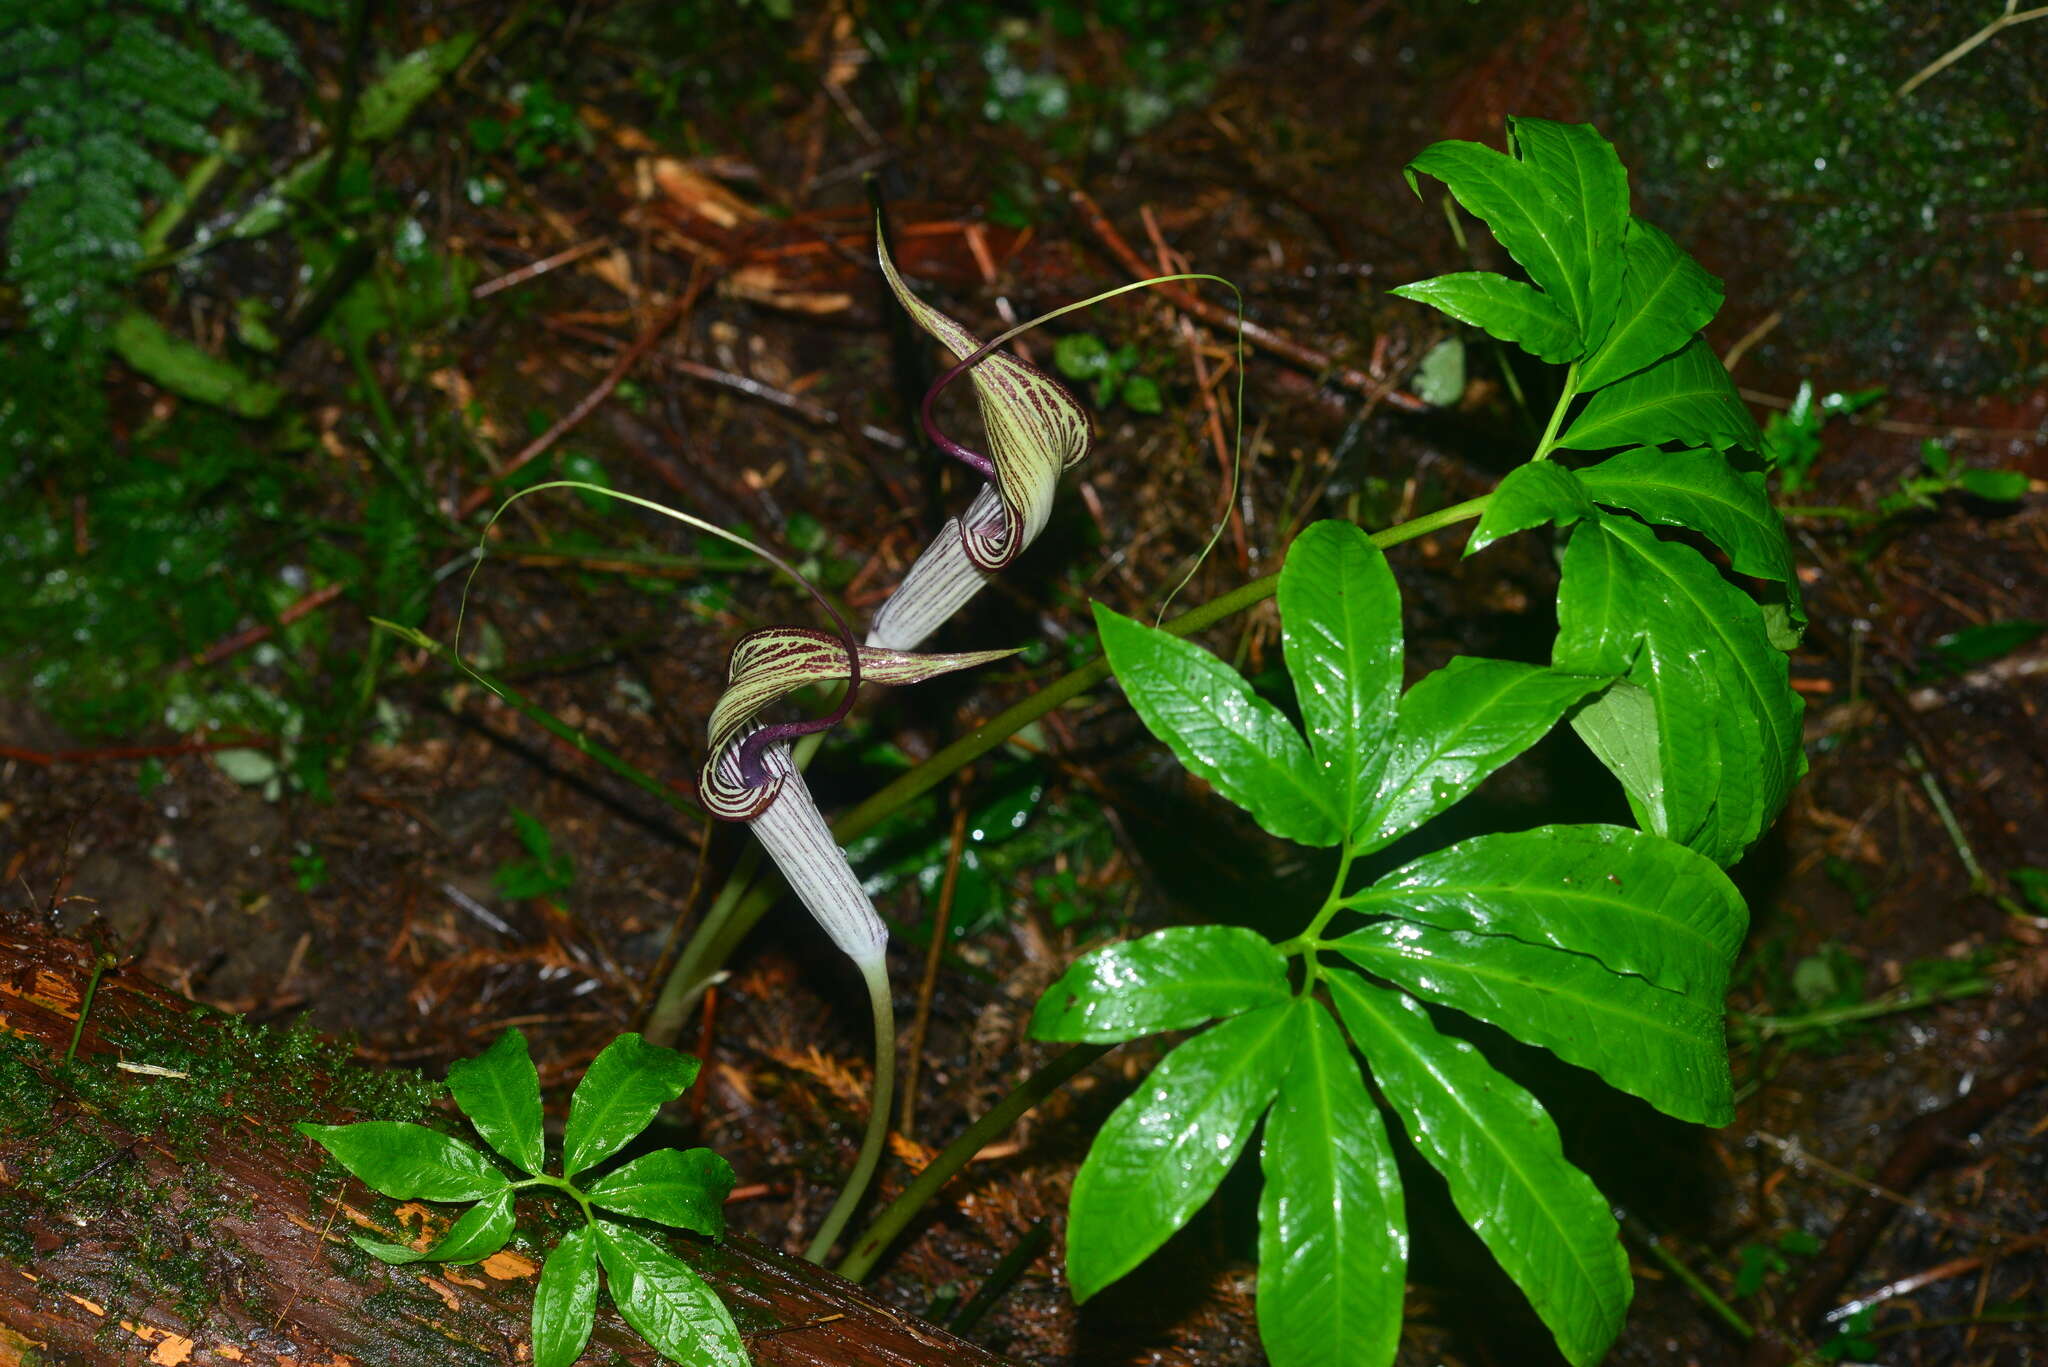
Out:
{"x": 260, "y": 1239}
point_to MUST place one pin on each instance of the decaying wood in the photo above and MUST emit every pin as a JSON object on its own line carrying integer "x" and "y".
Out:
{"x": 266, "y": 1274}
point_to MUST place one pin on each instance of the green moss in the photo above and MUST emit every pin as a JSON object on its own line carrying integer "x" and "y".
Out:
{"x": 73, "y": 1134}
{"x": 1898, "y": 213}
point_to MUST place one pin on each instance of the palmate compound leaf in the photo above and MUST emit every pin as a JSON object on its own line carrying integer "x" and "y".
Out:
{"x": 1503, "y": 308}
{"x": 619, "y": 1096}
{"x": 1638, "y": 903}
{"x": 1340, "y": 630}
{"x": 1162, "y": 1152}
{"x": 565, "y": 1299}
{"x": 1455, "y": 727}
{"x": 1664, "y": 1047}
{"x": 408, "y": 1162}
{"x": 1727, "y": 719}
{"x": 666, "y": 1303}
{"x": 1498, "y": 1150}
{"x": 1666, "y": 297}
{"x": 1686, "y": 397}
{"x": 1333, "y": 1236}
{"x": 499, "y": 1090}
{"x": 1222, "y": 731}
{"x": 1699, "y": 490}
{"x": 1172, "y": 979}
{"x": 480, "y": 1231}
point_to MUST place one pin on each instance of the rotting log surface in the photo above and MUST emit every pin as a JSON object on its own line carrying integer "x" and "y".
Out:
{"x": 218, "y": 1236}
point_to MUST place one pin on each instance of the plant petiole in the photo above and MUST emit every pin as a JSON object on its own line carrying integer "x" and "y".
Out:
{"x": 1564, "y": 401}
{"x": 561, "y": 1184}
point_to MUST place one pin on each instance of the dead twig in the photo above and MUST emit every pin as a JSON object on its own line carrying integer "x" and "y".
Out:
{"x": 942, "y": 919}
{"x": 1264, "y": 338}
{"x": 1920, "y": 1147}
{"x": 628, "y": 358}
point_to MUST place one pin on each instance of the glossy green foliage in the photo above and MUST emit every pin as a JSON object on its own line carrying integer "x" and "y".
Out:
{"x": 1333, "y": 1234}
{"x": 1704, "y": 735}
{"x": 1178, "y": 978}
{"x": 1608, "y": 946}
{"x": 1220, "y": 729}
{"x": 499, "y": 1090}
{"x": 1498, "y": 1149}
{"x": 1160, "y": 1154}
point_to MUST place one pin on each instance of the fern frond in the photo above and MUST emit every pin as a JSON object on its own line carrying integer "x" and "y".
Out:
{"x": 93, "y": 96}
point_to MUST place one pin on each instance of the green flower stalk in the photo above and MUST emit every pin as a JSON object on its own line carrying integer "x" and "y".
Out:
{"x": 748, "y": 776}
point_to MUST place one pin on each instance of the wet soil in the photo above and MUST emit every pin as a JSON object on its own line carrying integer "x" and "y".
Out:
{"x": 380, "y": 913}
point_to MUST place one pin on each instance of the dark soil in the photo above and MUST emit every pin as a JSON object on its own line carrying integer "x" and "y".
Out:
{"x": 377, "y": 912}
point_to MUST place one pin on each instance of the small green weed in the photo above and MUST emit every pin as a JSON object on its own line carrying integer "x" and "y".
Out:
{"x": 543, "y": 871}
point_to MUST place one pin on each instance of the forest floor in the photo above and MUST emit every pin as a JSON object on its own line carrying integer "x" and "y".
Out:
{"x": 1883, "y": 977}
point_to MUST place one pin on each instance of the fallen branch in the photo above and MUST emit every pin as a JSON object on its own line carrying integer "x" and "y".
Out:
{"x": 1923, "y": 1143}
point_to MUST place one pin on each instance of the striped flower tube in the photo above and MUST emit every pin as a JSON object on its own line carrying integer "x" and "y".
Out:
{"x": 1036, "y": 429}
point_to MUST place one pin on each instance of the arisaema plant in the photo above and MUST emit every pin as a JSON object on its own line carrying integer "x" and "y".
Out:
{"x": 1609, "y": 946}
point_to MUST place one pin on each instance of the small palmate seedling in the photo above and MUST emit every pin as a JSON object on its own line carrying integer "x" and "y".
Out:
{"x": 626, "y": 1085}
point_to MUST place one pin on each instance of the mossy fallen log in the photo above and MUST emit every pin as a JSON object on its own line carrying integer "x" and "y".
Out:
{"x": 155, "y": 1206}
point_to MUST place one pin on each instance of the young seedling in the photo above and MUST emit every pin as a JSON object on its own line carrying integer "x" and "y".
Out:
{"x": 626, "y": 1085}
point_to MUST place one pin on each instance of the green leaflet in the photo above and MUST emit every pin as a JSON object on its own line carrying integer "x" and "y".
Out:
{"x": 666, "y": 1303}
{"x": 1666, "y": 1048}
{"x": 1220, "y": 729}
{"x": 1340, "y": 631}
{"x": 1455, "y": 727}
{"x": 681, "y": 1187}
{"x": 183, "y": 368}
{"x": 407, "y": 1161}
{"x": 1529, "y": 496}
{"x": 565, "y": 1299}
{"x": 1504, "y": 308}
{"x": 1701, "y": 491}
{"x": 1666, "y": 297}
{"x": 1669, "y": 708}
{"x": 1638, "y": 903}
{"x": 480, "y": 1231}
{"x": 1496, "y": 1146}
{"x": 1620, "y": 728}
{"x": 499, "y": 1090}
{"x": 1170, "y": 980}
{"x": 618, "y": 1097}
{"x": 1162, "y": 1152}
{"x": 1333, "y": 1236}
{"x": 1685, "y": 397}
{"x": 1582, "y": 172}
{"x": 1716, "y": 680}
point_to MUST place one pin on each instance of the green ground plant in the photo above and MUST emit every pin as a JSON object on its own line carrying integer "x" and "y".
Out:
{"x": 1610, "y": 946}
{"x": 625, "y": 1087}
